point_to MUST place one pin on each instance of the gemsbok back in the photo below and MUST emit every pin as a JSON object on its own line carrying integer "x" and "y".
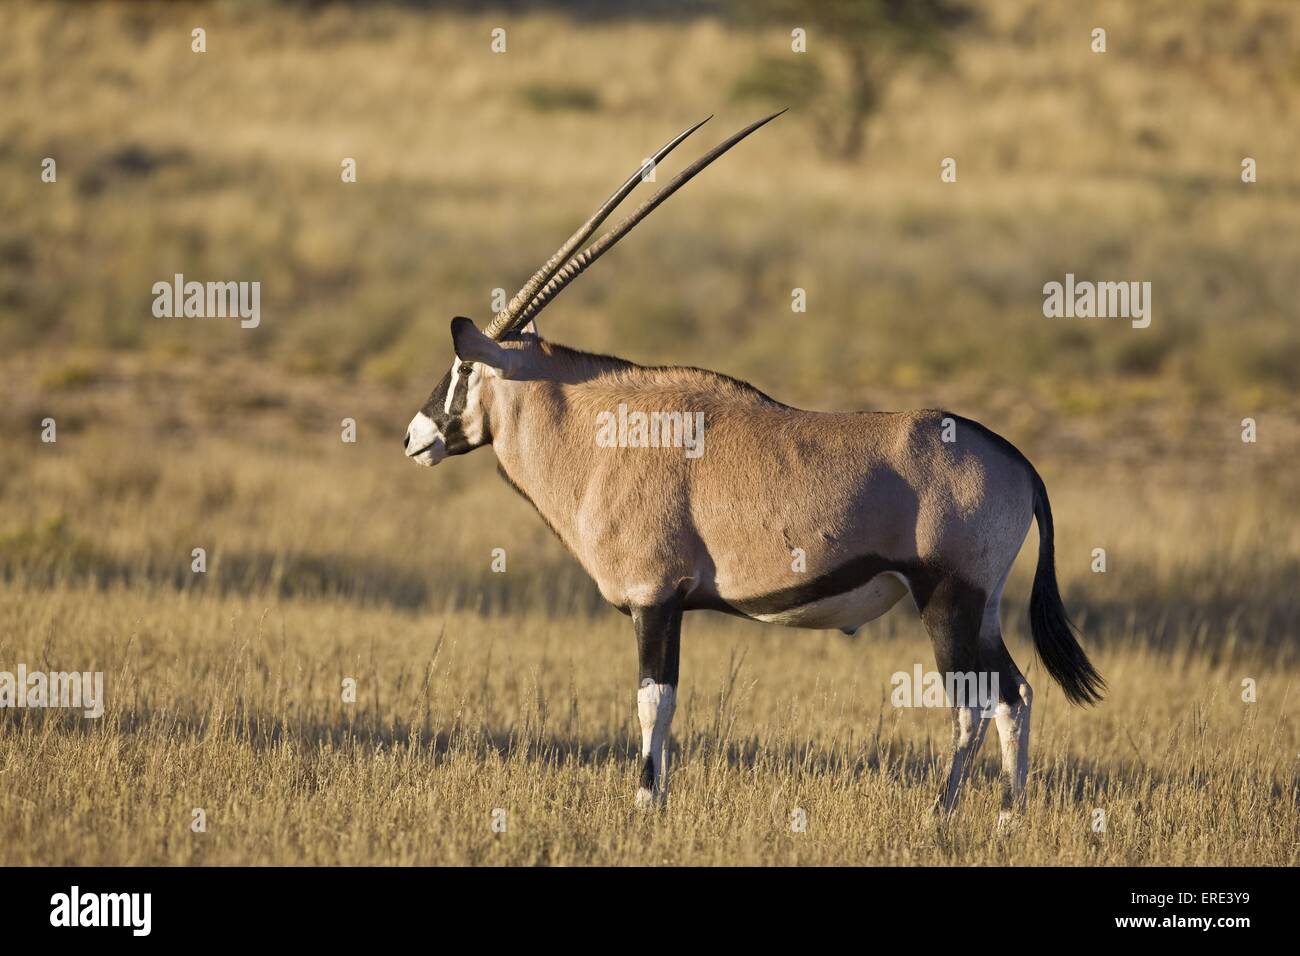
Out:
{"x": 680, "y": 489}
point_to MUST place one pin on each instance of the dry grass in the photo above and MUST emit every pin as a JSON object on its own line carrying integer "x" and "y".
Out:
{"x": 516, "y": 691}
{"x": 233, "y": 705}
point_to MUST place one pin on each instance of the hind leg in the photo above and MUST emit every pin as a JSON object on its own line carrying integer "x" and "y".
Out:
{"x": 952, "y": 612}
{"x": 1011, "y": 710}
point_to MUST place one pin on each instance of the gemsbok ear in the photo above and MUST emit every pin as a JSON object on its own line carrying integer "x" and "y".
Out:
{"x": 473, "y": 346}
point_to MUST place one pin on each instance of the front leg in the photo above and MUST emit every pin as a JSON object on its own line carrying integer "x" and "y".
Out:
{"x": 658, "y": 638}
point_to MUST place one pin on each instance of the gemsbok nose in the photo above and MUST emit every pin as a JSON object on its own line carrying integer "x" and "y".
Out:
{"x": 406, "y": 442}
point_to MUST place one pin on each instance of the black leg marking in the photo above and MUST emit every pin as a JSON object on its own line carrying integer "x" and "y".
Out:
{"x": 658, "y": 641}
{"x": 648, "y": 774}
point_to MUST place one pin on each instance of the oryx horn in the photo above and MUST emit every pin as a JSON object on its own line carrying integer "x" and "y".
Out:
{"x": 551, "y": 282}
{"x": 504, "y": 320}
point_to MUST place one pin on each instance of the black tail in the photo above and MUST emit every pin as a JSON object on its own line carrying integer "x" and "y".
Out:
{"x": 1053, "y": 633}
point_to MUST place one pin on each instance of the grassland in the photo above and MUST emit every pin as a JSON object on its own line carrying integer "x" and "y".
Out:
{"x": 479, "y": 691}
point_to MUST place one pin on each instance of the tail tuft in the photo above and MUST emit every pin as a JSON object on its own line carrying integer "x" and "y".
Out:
{"x": 1054, "y": 635}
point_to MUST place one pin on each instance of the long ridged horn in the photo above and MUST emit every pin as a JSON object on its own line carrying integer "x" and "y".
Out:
{"x": 506, "y": 319}
{"x": 579, "y": 263}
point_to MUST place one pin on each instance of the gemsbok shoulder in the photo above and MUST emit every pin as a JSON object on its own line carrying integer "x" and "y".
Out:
{"x": 680, "y": 489}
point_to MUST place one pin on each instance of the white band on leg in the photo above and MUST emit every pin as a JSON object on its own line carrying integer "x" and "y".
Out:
{"x": 655, "y": 705}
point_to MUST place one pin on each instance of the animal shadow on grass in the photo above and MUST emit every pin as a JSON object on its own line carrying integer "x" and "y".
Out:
{"x": 1068, "y": 778}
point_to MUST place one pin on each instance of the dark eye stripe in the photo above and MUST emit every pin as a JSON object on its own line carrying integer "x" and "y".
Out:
{"x": 461, "y": 393}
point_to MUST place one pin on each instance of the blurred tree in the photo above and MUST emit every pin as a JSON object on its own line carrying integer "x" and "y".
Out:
{"x": 871, "y": 38}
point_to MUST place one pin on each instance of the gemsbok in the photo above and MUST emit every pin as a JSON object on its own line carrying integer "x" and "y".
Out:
{"x": 874, "y": 504}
